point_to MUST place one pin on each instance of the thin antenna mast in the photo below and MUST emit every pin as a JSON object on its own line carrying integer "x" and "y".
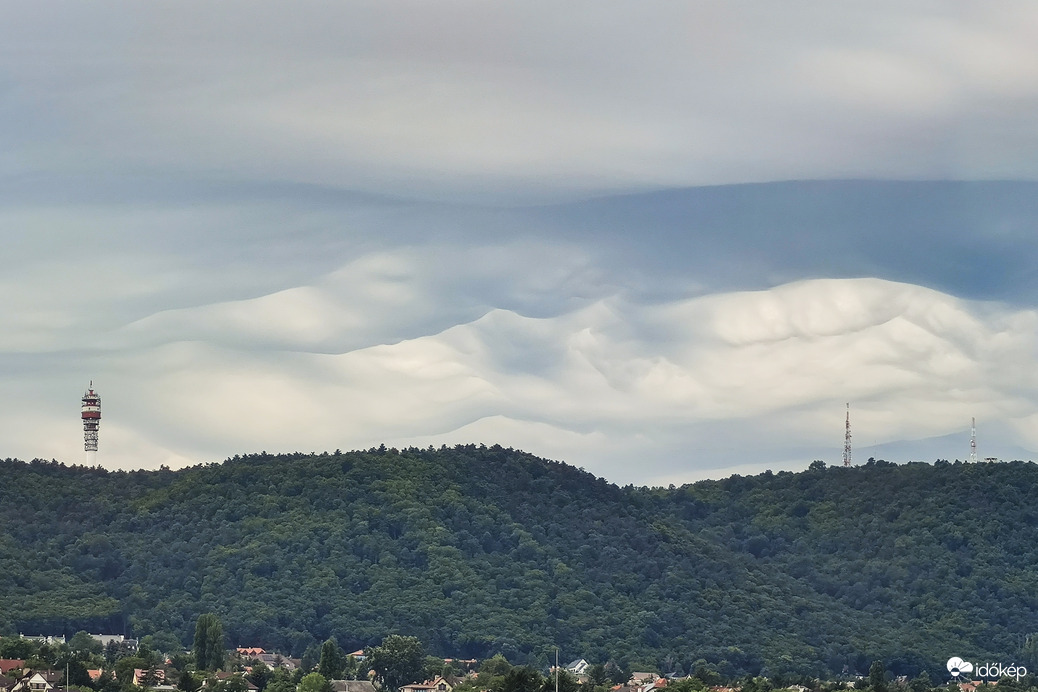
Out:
{"x": 973, "y": 440}
{"x": 847, "y": 439}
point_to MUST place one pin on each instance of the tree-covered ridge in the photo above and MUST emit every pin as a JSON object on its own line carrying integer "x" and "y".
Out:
{"x": 481, "y": 550}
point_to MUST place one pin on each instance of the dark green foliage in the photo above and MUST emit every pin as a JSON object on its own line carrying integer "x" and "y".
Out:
{"x": 83, "y": 645}
{"x": 597, "y": 675}
{"x": 333, "y": 660}
{"x": 236, "y": 683}
{"x": 878, "y": 677}
{"x": 397, "y": 661}
{"x": 77, "y": 674}
{"x": 480, "y": 550}
{"x": 920, "y": 683}
{"x": 520, "y": 679}
{"x": 208, "y": 644}
{"x": 188, "y": 682}
{"x": 314, "y": 682}
{"x": 108, "y": 683}
{"x": 566, "y": 682}
{"x": 617, "y": 674}
{"x": 261, "y": 675}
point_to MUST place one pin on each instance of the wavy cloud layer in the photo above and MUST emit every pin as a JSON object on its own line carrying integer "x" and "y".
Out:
{"x": 638, "y": 392}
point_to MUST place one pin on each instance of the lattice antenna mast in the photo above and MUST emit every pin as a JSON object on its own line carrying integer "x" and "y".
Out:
{"x": 973, "y": 440}
{"x": 847, "y": 439}
{"x": 91, "y": 414}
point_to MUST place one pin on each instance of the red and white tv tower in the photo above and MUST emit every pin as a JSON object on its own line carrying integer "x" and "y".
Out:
{"x": 91, "y": 422}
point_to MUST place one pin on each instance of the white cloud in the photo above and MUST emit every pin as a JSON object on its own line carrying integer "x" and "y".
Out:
{"x": 627, "y": 390}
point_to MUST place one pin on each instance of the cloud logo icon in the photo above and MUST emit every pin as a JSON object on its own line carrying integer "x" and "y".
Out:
{"x": 956, "y": 666}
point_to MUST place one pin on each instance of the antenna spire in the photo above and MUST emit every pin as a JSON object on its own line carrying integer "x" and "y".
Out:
{"x": 847, "y": 439}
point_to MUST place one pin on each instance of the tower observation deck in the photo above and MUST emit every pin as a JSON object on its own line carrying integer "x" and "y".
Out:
{"x": 91, "y": 420}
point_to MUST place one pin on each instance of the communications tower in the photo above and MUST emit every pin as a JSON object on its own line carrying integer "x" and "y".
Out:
{"x": 973, "y": 440}
{"x": 847, "y": 439}
{"x": 91, "y": 422}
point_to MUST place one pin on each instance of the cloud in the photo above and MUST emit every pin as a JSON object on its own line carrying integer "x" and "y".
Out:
{"x": 302, "y": 228}
{"x": 637, "y": 392}
{"x": 496, "y": 102}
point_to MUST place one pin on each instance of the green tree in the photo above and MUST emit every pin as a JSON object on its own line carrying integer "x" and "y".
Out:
{"x": 397, "y": 661}
{"x": 333, "y": 660}
{"x": 188, "y": 682}
{"x": 1029, "y": 652}
{"x": 150, "y": 677}
{"x": 209, "y": 646}
{"x": 163, "y": 642}
{"x": 567, "y": 682}
{"x": 495, "y": 666}
{"x": 878, "y": 677}
{"x": 111, "y": 651}
{"x": 618, "y": 674}
{"x": 521, "y": 679}
{"x": 148, "y": 654}
{"x": 124, "y": 668}
{"x": 108, "y": 683}
{"x": 83, "y": 645}
{"x": 16, "y": 647}
{"x": 686, "y": 685}
{"x": 261, "y": 675}
{"x": 77, "y": 674}
{"x": 314, "y": 682}
{"x": 920, "y": 683}
{"x": 597, "y": 675}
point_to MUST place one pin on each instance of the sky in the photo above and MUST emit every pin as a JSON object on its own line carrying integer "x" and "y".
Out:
{"x": 660, "y": 241}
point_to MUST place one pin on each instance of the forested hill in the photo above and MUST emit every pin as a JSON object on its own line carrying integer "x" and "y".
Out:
{"x": 481, "y": 550}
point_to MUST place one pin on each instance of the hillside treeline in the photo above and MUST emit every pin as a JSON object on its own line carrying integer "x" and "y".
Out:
{"x": 480, "y": 550}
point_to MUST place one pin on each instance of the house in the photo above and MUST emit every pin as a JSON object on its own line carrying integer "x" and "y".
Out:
{"x": 972, "y": 685}
{"x": 45, "y": 638}
{"x": 643, "y": 677}
{"x": 140, "y": 677}
{"x": 352, "y": 686}
{"x": 41, "y": 681}
{"x": 250, "y": 651}
{"x": 656, "y": 684}
{"x": 118, "y": 639}
{"x": 95, "y": 674}
{"x": 358, "y": 654}
{"x": 578, "y": 667}
{"x": 277, "y": 661}
{"x": 439, "y": 684}
{"x": 7, "y": 684}
{"x": 227, "y": 676}
{"x": 9, "y": 664}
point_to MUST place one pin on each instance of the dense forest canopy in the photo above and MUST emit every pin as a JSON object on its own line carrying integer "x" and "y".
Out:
{"x": 480, "y": 550}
